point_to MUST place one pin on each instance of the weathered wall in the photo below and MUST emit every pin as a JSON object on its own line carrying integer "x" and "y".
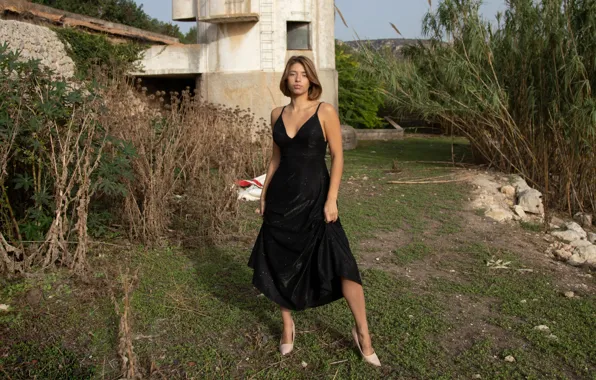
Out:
{"x": 161, "y": 60}
{"x": 37, "y": 42}
{"x": 258, "y": 91}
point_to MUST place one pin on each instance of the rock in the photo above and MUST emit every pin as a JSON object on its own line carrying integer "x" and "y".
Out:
{"x": 349, "y": 138}
{"x": 572, "y": 226}
{"x": 519, "y": 183}
{"x": 499, "y": 214}
{"x": 531, "y": 201}
{"x": 584, "y": 219}
{"x": 557, "y": 222}
{"x": 580, "y": 243}
{"x": 508, "y": 190}
{"x": 562, "y": 254}
{"x": 567, "y": 236}
{"x": 477, "y": 376}
{"x": 519, "y": 211}
{"x": 553, "y": 337}
{"x": 509, "y": 359}
{"x": 591, "y": 237}
{"x": 304, "y": 364}
{"x": 541, "y": 328}
{"x": 569, "y": 294}
{"x": 4, "y": 307}
{"x": 584, "y": 256}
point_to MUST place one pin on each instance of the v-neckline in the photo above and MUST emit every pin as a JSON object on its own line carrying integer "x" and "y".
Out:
{"x": 281, "y": 117}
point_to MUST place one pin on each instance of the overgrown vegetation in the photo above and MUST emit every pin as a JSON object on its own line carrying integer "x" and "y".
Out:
{"x": 89, "y": 51}
{"x": 521, "y": 91}
{"x": 359, "y": 93}
{"x": 125, "y": 12}
{"x": 100, "y": 155}
{"x": 435, "y": 309}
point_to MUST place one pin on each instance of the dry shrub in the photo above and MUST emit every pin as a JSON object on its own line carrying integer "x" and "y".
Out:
{"x": 188, "y": 155}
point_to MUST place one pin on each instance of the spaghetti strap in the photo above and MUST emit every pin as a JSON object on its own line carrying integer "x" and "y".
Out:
{"x": 319, "y": 106}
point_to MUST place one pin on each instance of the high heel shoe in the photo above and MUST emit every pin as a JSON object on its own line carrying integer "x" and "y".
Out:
{"x": 372, "y": 358}
{"x": 286, "y": 348}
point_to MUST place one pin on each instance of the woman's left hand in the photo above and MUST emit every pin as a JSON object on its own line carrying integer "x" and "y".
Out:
{"x": 330, "y": 211}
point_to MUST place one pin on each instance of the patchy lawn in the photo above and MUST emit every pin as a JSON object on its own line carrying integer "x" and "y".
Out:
{"x": 436, "y": 310}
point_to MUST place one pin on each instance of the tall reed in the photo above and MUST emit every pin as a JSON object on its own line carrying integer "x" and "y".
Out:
{"x": 520, "y": 90}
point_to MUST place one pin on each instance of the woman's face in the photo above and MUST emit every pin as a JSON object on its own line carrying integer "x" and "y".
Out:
{"x": 298, "y": 82}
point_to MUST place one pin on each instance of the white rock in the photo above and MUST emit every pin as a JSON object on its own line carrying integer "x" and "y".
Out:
{"x": 4, "y": 307}
{"x": 499, "y": 214}
{"x": 531, "y": 201}
{"x": 591, "y": 237}
{"x": 519, "y": 183}
{"x": 541, "y": 328}
{"x": 584, "y": 256}
{"x": 584, "y": 219}
{"x": 580, "y": 243}
{"x": 569, "y": 294}
{"x": 508, "y": 190}
{"x": 572, "y": 226}
{"x": 519, "y": 211}
{"x": 304, "y": 364}
{"x": 567, "y": 236}
{"x": 509, "y": 359}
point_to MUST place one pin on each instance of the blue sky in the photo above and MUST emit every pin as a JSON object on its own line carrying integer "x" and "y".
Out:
{"x": 370, "y": 19}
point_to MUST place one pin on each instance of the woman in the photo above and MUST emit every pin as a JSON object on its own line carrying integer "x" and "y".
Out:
{"x": 301, "y": 257}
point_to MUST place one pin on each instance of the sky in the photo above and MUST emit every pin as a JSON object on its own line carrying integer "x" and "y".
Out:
{"x": 369, "y": 18}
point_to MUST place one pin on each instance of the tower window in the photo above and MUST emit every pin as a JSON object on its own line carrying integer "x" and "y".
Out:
{"x": 298, "y": 35}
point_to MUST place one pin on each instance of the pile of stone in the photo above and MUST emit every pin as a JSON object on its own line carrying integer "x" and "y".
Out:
{"x": 575, "y": 243}
{"x": 574, "y": 246}
{"x": 516, "y": 201}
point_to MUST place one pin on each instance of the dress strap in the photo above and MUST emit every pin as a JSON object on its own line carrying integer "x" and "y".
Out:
{"x": 319, "y": 106}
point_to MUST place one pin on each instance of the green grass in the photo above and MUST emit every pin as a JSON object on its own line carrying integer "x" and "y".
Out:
{"x": 196, "y": 314}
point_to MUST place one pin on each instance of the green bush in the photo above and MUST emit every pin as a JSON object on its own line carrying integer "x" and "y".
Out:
{"x": 92, "y": 50}
{"x": 359, "y": 94}
{"x": 37, "y": 113}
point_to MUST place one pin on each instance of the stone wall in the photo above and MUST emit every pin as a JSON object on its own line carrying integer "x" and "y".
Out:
{"x": 379, "y": 134}
{"x": 37, "y": 42}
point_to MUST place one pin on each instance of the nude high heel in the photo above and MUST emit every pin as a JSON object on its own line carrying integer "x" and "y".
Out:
{"x": 372, "y": 358}
{"x": 286, "y": 348}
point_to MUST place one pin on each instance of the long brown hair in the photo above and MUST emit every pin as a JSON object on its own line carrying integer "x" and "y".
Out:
{"x": 315, "y": 90}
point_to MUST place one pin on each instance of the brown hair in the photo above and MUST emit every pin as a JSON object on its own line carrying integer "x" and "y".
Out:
{"x": 315, "y": 90}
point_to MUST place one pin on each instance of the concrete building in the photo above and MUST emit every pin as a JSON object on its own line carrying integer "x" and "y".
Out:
{"x": 243, "y": 46}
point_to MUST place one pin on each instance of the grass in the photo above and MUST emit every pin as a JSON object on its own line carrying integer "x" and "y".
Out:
{"x": 196, "y": 315}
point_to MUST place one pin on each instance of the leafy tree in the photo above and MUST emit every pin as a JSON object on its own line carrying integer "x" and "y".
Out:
{"x": 360, "y": 94}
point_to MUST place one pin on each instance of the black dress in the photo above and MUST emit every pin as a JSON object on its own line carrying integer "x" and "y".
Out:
{"x": 298, "y": 258}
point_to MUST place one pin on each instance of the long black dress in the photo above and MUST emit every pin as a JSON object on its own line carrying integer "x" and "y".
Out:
{"x": 298, "y": 258}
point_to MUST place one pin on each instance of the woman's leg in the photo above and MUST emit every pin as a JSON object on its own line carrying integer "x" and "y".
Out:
{"x": 286, "y": 316}
{"x": 354, "y": 294}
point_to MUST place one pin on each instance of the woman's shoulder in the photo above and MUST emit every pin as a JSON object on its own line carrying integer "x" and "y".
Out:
{"x": 327, "y": 110}
{"x": 275, "y": 113}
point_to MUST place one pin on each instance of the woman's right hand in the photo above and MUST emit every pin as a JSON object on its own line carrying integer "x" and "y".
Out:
{"x": 262, "y": 209}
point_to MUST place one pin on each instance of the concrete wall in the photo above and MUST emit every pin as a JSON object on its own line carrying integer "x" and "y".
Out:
{"x": 237, "y": 70}
{"x": 37, "y": 42}
{"x": 171, "y": 60}
{"x": 258, "y": 91}
{"x": 242, "y": 62}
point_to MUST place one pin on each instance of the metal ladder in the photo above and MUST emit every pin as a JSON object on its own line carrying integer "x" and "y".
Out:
{"x": 267, "y": 41}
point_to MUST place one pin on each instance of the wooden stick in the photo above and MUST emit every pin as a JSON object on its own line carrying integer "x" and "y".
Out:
{"x": 426, "y": 182}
